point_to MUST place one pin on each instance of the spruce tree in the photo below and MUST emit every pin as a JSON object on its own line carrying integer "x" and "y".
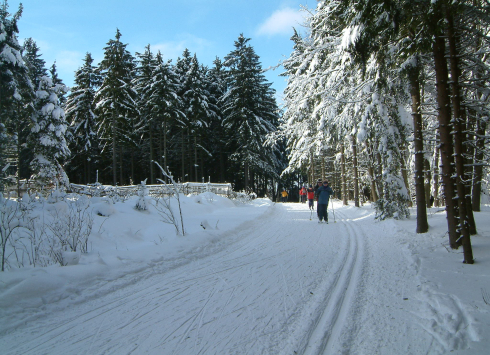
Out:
{"x": 80, "y": 113}
{"x": 47, "y": 137}
{"x": 165, "y": 105}
{"x": 216, "y": 134}
{"x": 196, "y": 110}
{"x": 142, "y": 84}
{"x": 35, "y": 64}
{"x": 57, "y": 80}
{"x": 115, "y": 103}
{"x": 250, "y": 112}
{"x": 16, "y": 94}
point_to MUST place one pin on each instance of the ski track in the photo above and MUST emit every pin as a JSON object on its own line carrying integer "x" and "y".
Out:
{"x": 336, "y": 294}
{"x": 282, "y": 284}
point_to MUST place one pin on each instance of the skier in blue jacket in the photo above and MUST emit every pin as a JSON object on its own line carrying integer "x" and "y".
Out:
{"x": 323, "y": 196}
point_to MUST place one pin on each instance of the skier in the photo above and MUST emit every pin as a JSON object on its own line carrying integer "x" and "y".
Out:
{"x": 284, "y": 195}
{"x": 311, "y": 197}
{"x": 302, "y": 194}
{"x": 323, "y": 195}
{"x": 319, "y": 184}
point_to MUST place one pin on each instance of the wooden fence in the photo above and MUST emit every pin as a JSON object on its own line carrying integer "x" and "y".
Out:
{"x": 153, "y": 190}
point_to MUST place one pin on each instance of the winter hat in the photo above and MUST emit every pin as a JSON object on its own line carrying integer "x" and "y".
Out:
{"x": 311, "y": 186}
{"x": 319, "y": 180}
{"x": 325, "y": 181}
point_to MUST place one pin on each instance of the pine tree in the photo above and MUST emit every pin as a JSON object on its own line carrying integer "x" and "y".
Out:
{"x": 215, "y": 134}
{"x": 196, "y": 110}
{"x": 56, "y": 80}
{"x": 16, "y": 95}
{"x": 142, "y": 84}
{"x": 35, "y": 64}
{"x": 115, "y": 103}
{"x": 165, "y": 105}
{"x": 250, "y": 111}
{"x": 47, "y": 138}
{"x": 80, "y": 113}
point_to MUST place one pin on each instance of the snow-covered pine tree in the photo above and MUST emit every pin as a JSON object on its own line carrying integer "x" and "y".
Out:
{"x": 165, "y": 107}
{"x": 16, "y": 95}
{"x": 47, "y": 138}
{"x": 142, "y": 84}
{"x": 196, "y": 110}
{"x": 215, "y": 135}
{"x": 182, "y": 68}
{"x": 115, "y": 104}
{"x": 53, "y": 72}
{"x": 80, "y": 108}
{"x": 250, "y": 112}
{"x": 35, "y": 64}
{"x": 299, "y": 126}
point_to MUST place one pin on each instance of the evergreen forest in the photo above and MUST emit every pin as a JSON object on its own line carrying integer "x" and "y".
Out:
{"x": 131, "y": 111}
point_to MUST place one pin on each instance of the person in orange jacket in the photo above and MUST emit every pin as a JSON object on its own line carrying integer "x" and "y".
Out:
{"x": 302, "y": 194}
{"x": 311, "y": 197}
{"x": 284, "y": 194}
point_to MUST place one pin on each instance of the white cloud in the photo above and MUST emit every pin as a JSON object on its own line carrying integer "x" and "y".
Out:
{"x": 69, "y": 60}
{"x": 281, "y": 22}
{"x": 174, "y": 49}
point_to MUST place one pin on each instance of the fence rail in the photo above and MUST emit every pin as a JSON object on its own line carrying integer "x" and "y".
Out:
{"x": 186, "y": 188}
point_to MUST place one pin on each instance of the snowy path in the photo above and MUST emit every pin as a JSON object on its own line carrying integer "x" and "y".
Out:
{"x": 285, "y": 285}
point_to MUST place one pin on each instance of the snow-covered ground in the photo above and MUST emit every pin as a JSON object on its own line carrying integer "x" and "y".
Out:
{"x": 261, "y": 278}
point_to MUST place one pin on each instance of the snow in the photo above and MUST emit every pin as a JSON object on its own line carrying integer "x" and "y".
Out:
{"x": 258, "y": 278}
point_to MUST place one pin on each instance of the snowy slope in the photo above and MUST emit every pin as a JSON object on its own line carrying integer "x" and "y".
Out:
{"x": 260, "y": 279}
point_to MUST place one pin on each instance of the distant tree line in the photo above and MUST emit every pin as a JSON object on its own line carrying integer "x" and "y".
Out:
{"x": 202, "y": 123}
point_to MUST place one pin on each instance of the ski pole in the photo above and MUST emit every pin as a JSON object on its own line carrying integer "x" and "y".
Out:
{"x": 333, "y": 211}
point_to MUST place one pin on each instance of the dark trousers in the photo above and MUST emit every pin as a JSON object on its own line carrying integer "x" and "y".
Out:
{"x": 310, "y": 203}
{"x": 321, "y": 210}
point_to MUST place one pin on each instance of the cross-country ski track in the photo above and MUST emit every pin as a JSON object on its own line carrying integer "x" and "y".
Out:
{"x": 280, "y": 284}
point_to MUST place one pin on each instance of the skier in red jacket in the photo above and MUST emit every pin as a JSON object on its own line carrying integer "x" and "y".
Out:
{"x": 311, "y": 197}
{"x": 302, "y": 194}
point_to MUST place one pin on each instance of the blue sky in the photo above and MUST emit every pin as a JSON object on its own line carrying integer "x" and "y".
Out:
{"x": 67, "y": 29}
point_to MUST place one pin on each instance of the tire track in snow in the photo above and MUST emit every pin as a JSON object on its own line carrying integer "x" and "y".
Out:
{"x": 324, "y": 335}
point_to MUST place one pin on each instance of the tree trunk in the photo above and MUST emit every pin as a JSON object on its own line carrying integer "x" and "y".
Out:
{"x": 160, "y": 153}
{"x": 403, "y": 167}
{"x": 428, "y": 179}
{"x": 121, "y": 182}
{"x": 344, "y": 180}
{"x": 469, "y": 153}
{"x": 436, "y": 174}
{"x": 221, "y": 166}
{"x": 379, "y": 176}
{"x": 165, "y": 161}
{"x": 132, "y": 166}
{"x": 373, "y": 195}
{"x": 114, "y": 155}
{"x": 245, "y": 168}
{"x": 19, "y": 152}
{"x": 312, "y": 170}
{"x": 356, "y": 173}
{"x": 152, "y": 172}
{"x": 446, "y": 143}
{"x": 478, "y": 168}
{"x": 458, "y": 142}
{"x": 323, "y": 167}
{"x": 183, "y": 155}
{"x": 422, "y": 224}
